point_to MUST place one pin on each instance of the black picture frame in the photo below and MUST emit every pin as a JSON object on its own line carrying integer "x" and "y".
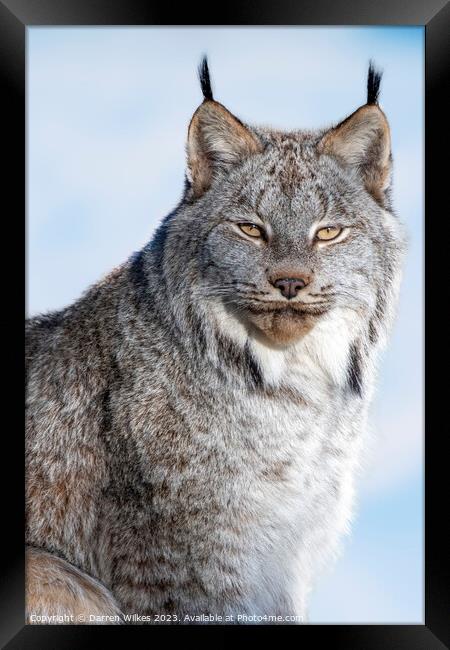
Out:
{"x": 15, "y": 17}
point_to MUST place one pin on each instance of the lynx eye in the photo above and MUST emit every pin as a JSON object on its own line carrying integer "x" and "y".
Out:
{"x": 328, "y": 233}
{"x": 251, "y": 229}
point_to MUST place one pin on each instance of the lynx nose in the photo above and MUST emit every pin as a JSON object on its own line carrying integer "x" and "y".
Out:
{"x": 290, "y": 287}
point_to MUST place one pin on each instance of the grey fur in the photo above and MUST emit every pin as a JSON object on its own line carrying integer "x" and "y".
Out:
{"x": 189, "y": 444}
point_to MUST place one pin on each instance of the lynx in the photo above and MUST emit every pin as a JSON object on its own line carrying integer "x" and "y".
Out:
{"x": 196, "y": 419}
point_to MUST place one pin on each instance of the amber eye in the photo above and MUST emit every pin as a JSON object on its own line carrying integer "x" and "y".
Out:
{"x": 328, "y": 233}
{"x": 251, "y": 229}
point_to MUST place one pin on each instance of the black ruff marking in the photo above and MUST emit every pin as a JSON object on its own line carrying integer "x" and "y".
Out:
{"x": 354, "y": 371}
{"x": 240, "y": 359}
{"x": 253, "y": 369}
{"x": 373, "y": 331}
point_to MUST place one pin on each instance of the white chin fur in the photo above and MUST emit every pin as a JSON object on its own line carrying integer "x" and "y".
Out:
{"x": 325, "y": 347}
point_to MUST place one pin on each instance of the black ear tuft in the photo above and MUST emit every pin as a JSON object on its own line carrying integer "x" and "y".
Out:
{"x": 373, "y": 84}
{"x": 205, "y": 82}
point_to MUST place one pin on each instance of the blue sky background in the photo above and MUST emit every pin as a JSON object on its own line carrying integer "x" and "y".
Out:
{"x": 108, "y": 110}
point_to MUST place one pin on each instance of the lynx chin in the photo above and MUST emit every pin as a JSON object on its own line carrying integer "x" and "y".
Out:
{"x": 196, "y": 419}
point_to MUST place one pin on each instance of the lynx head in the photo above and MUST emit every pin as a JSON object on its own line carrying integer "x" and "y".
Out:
{"x": 286, "y": 226}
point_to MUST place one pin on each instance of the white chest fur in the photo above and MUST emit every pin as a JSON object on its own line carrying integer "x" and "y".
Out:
{"x": 308, "y": 449}
{"x": 297, "y": 489}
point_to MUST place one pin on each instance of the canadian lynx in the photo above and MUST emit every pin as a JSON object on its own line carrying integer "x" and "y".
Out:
{"x": 195, "y": 419}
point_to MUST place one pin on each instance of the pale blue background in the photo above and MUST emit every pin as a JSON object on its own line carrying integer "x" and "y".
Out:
{"x": 108, "y": 111}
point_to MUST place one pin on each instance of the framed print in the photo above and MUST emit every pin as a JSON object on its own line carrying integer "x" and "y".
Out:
{"x": 229, "y": 412}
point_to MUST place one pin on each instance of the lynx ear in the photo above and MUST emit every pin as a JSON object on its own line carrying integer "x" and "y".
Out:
{"x": 363, "y": 141}
{"x": 216, "y": 139}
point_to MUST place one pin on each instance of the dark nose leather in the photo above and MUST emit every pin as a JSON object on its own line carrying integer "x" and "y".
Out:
{"x": 290, "y": 287}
